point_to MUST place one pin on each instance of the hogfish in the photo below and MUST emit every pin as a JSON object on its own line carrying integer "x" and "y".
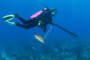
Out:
{"x": 39, "y": 38}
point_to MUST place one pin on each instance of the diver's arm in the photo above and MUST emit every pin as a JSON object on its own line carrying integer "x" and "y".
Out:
{"x": 45, "y": 28}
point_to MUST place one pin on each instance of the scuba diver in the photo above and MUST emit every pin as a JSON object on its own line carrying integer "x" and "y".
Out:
{"x": 40, "y": 19}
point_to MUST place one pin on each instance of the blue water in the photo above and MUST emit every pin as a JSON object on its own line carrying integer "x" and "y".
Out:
{"x": 17, "y": 43}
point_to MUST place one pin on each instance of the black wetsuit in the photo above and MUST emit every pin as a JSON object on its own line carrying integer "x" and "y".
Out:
{"x": 45, "y": 18}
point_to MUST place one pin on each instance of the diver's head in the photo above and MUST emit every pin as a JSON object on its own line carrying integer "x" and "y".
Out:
{"x": 53, "y": 11}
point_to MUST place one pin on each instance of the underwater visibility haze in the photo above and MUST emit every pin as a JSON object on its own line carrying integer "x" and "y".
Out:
{"x": 17, "y": 43}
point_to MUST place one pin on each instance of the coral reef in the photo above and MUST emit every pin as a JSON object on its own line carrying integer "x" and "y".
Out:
{"x": 46, "y": 52}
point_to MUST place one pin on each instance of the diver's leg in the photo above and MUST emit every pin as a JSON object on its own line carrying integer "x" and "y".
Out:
{"x": 20, "y": 18}
{"x": 22, "y": 25}
{"x": 28, "y": 25}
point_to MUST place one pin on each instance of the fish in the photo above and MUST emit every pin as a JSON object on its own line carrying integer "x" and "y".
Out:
{"x": 39, "y": 38}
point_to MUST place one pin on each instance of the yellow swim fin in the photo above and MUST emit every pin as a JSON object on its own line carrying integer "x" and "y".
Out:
{"x": 8, "y": 17}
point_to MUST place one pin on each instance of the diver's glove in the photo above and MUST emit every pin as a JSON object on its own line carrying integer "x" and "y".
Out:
{"x": 44, "y": 29}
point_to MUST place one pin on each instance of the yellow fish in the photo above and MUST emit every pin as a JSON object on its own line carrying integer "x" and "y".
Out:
{"x": 39, "y": 38}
